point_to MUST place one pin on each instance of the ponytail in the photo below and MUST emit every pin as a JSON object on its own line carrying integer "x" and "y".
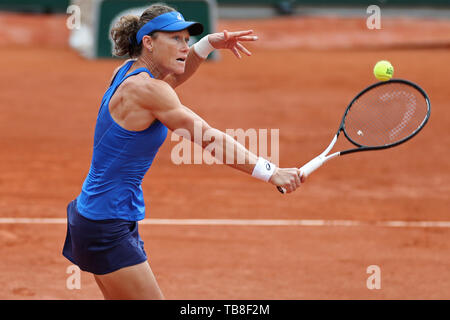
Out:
{"x": 124, "y": 36}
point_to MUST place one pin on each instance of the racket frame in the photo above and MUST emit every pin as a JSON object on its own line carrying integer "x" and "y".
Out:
{"x": 390, "y": 145}
{"x": 318, "y": 161}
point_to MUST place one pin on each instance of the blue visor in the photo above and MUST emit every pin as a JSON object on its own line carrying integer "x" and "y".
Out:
{"x": 170, "y": 21}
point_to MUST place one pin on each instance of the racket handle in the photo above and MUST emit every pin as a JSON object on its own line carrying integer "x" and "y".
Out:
{"x": 307, "y": 169}
{"x": 312, "y": 165}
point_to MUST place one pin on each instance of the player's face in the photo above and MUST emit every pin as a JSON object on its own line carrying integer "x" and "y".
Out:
{"x": 170, "y": 50}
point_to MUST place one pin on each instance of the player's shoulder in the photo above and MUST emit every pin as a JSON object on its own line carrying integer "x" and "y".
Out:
{"x": 145, "y": 84}
{"x": 149, "y": 92}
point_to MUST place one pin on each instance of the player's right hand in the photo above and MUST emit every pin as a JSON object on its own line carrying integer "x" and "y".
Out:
{"x": 288, "y": 178}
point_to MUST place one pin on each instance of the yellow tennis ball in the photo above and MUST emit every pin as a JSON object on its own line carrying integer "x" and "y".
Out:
{"x": 383, "y": 70}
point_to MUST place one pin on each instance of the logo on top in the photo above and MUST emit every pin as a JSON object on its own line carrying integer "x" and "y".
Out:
{"x": 179, "y": 17}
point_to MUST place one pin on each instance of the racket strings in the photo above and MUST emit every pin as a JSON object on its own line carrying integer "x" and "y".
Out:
{"x": 386, "y": 115}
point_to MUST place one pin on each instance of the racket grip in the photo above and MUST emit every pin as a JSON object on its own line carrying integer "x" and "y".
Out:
{"x": 312, "y": 165}
{"x": 307, "y": 169}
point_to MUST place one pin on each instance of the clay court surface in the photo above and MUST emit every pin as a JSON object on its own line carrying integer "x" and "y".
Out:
{"x": 302, "y": 74}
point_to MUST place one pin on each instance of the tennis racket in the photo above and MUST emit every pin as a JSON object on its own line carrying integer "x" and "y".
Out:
{"x": 381, "y": 116}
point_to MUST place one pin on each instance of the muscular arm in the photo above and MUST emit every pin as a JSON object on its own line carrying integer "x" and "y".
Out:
{"x": 159, "y": 98}
{"x": 167, "y": 108}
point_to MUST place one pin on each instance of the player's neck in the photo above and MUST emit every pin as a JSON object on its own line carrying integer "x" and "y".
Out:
{"x": 146, "y": 61}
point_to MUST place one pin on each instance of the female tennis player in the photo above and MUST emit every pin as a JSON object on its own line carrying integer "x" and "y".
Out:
{"x": 135, "y": 114}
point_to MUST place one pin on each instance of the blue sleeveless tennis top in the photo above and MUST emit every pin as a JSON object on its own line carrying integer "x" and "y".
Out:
{"x": 112, "y": 188}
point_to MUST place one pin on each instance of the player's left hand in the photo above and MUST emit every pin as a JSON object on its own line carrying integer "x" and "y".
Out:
{"x": 232, "y": 41}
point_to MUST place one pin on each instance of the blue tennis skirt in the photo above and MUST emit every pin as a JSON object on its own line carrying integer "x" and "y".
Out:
{"x": 102, "y": 246}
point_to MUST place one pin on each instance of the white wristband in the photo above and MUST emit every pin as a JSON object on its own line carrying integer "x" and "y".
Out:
{"x": 203, "y": 48}
{"x": 263, "y": 169}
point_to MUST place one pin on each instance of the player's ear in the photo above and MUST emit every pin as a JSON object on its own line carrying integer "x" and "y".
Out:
{"x": 147, "y": 42}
